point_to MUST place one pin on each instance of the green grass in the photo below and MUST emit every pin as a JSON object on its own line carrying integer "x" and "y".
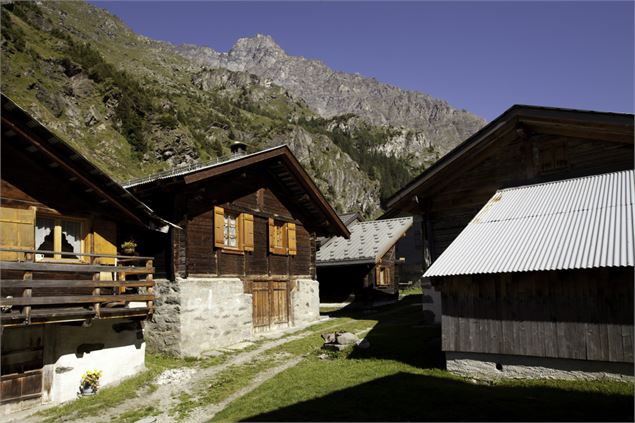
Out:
{"x": 400, "y": 378}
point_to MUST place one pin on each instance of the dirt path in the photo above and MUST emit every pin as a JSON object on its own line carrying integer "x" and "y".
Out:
{"x": 191, "y": 381}
{"x": 204, "y": 414}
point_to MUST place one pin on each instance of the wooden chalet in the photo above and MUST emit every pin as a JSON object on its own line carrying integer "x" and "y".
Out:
{"x": 245, "y": 259}
{"x": 69, "y": 301}
{"x": 572, "y": 319}
{"x": 363, "y": 268}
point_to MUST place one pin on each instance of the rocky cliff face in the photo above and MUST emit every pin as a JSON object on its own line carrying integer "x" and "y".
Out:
{"x": 332, "y": 93}
{"x": 136, "y": 106}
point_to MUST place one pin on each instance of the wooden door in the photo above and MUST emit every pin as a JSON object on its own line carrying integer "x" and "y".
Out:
{"x": 21, "y": 374}
{"x": 261, "y": 303}
{"x": 270, "y": 303}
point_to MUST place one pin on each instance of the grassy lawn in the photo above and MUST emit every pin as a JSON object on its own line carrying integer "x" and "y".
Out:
{"x": 399, "y": 378}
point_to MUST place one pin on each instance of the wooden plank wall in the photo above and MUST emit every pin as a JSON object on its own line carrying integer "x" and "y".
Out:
{"x": 576, "y": 314}
{"x": 204, "y": 259}
{"x": 512, "y": 162}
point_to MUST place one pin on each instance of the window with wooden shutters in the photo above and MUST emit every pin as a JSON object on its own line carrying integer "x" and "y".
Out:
{"x": 277, "y": 237}
{"x": 382, "y": 276}
{"x": 233, "y": 231}
{"x": 282, "y": 238}
{"x": 16, "y": 231}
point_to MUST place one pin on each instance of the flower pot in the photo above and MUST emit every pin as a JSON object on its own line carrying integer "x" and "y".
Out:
{"x": 87, "y": 390}
{"x": 129, "y": 251}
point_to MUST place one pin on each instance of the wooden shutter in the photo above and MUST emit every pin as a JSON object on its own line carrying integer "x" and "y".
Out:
{"x": 272, "y": 236}
{"x": 219, "y": 227}
{"x": 17, "y": 230}
{"x": 293, "y": 249}
{"x": 105, "y": 240}
{"x": 247, "y": 228}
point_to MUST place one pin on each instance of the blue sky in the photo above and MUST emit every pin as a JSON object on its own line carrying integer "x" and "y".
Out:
{"x": 481, "y": 56}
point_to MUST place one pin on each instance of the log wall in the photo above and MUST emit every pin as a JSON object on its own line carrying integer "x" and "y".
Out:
{"x": 575, "y": 314}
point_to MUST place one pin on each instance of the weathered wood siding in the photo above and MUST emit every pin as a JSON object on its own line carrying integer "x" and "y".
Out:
{"x": 576, "y": 314}
{"x": 511, "y": 162}
{"x": 200, "y": 257}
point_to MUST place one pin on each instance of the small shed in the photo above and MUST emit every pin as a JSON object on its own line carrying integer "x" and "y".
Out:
{"x": 540, "y": 282}
{"x": 363, "y": 266}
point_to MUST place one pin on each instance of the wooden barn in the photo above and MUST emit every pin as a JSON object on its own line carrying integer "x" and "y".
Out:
{"x": 245, "y": 259}
{"x": 364, "y": 267}
{"x": 68, "y": 302}
{"x": 574, "y": 319}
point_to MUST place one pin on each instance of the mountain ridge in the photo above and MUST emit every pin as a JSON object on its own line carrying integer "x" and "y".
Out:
{"x": 136, "y": 106}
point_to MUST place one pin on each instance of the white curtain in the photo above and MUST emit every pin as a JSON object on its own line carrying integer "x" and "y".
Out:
{"x": 71, "y": 236}
{"x": 43, "y": 228}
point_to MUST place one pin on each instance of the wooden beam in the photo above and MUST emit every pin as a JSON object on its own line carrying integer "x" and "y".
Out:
{"x": 70, "y": 169}
{"x": 73, "y": 299}
{"x": 77, "y": 268}
{"x": 61, "y": 283}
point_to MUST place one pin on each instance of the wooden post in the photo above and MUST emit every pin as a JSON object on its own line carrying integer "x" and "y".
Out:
{"x": 28, "y": 291}
{"x": 150, "y": 288}
{"x": 96, "y": 292}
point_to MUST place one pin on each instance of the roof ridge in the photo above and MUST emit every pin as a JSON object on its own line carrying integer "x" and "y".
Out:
{"x": 560, "y": 181}
{"x": 195, "y": 167}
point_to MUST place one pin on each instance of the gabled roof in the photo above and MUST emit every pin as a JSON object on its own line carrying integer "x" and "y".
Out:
{"x": 282, "y": 163}
{"x": 524, "y": 119}
{"x": 576, "y": 223}
{"x": 17, "y": 124}
{"x": 368, "y": 242}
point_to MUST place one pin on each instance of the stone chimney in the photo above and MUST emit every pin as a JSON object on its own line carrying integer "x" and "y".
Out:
{"x": 238, "y": 148}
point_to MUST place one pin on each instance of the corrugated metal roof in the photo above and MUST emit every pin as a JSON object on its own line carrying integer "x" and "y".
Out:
{"x": 571, "y": 224}
{"x": 368, "y": 242}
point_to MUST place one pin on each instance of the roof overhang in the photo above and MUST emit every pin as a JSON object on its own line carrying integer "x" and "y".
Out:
{"x": 36, "y": 138}
{"x": 518, "y": 120}
{"x": 282, "y": 164}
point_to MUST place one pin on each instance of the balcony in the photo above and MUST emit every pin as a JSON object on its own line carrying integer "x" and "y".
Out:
{"x": 79, "y": 288}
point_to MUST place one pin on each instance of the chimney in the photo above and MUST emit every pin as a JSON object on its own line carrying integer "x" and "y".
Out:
{"x": 238, "y": 148}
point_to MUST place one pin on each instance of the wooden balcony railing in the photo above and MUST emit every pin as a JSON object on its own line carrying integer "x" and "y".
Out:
{"x": 48, "y": 291}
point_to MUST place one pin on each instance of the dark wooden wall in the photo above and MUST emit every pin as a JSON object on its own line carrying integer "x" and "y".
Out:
{"x": 573, "y": 314}
{"x": 513, "y": 161}
{"x": 199, "y": 257}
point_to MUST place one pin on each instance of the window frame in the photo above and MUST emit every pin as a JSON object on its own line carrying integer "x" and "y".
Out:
{"x": 57, "y": 237}
{"x": 239, "y": 242}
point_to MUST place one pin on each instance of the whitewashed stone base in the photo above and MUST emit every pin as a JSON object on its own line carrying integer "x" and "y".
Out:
{"x": 495, "y": 366}
{"x": 305, "y": 301}
{"x": 197, "y": 314}
{"x": 116, "y": 347}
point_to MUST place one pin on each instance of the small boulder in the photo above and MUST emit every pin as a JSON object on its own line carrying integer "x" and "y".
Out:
{"x": 363, "y": 344}
{"x": 347, "y": 338}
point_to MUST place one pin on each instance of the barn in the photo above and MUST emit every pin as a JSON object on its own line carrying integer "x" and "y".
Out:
{"x": 69, "y": 301}
{"x": 525, "y": 146}
{"x": 244, "y": 261}
{"x": 365, "y": 267}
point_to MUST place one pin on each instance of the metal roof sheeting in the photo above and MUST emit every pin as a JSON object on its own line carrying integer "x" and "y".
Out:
{"x": 571, "y": 224}
{"x": 368, "y": 242}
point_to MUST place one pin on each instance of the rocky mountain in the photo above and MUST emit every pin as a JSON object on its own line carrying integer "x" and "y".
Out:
{"x": 135, "y": 106}
{"x": 431, "y": 122}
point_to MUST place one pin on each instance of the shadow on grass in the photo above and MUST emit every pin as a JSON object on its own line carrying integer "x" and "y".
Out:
{"x": 400, "y": 334}
{"x": 410, "y": 397}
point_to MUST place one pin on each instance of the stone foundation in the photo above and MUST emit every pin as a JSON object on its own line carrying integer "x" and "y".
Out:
{"x": 495, "y": 366}
{"x": 305, "y": 301}
{"x": 196, "y": 315}
{"x": 116, "y": 347}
